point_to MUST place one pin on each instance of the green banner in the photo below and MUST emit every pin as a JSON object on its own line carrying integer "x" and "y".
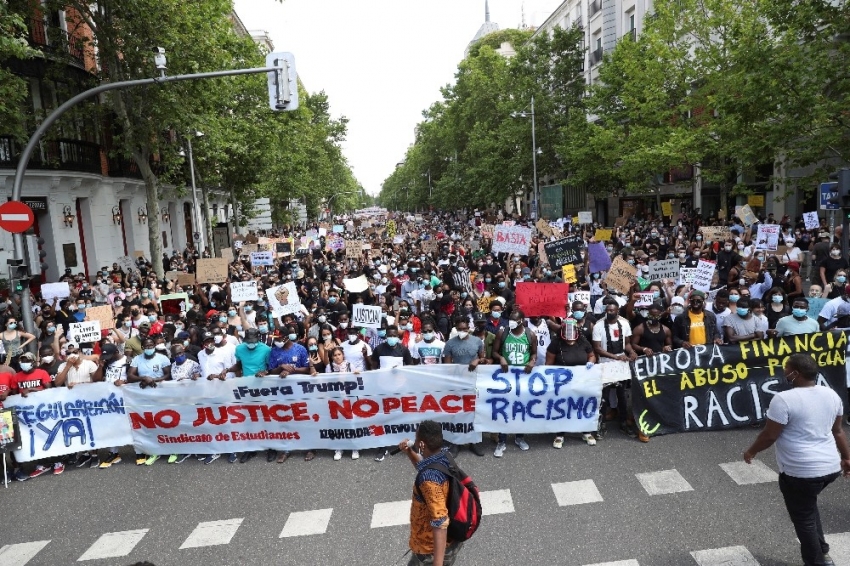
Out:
{"x": 552, "y": 201}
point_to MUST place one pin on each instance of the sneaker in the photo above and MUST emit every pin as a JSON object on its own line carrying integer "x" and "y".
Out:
{"x": 453, "y": 450}
{"x": 58, "y": 468}
{"x": 140, "y": 459}
{"x": 182, "y": 458}
{"x": 110, "y": 461}
{"x": 355, "y": 454}
{"x": 603, "y": 428}
{"x": 151, "y": 460}
{"x": 83, "y": 460}
{"x": 172, "y": 458}
{"x": 382, "y": 453}
{"x": 477, "y": 448}
{"x": 500, "y": 450}
{"x": 628, "y": 430}
{"x": 558, "y": 442}
{"x": 246, "y": 456}
{"x": 523, "y": 445}
{"x": 827, "y": 560}
{"x": 37, "y": 471}
{"x": 213, "y": 457}
{"x": 271, "y": 455}
{"x": 95, "y": 462}
{"x": 20, "y": 476}
{"x": 587, "y": 437}
{"x": 337, "y": 455}
{"x": 231, "y": 458}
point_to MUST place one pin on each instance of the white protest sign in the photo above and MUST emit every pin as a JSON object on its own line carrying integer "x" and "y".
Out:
{"x": 581, "y": 296}
{"x": 812, "y": 221}
{"x": 364, "y": 315}
{"x": 126, "y": 264}
{"x": 686, "y": 275}
{"x": 511, "y": 239}
{"x": 356, "y": 285}
{"x": 262, "y": 258}
{"x": 585, "y": 217}
{"x": 663, "y": 269}
{"x": 83, "y": 332}
{"x": 243, "y": 291}
{"x": 50, "y": 291}
{"x": 767, "y": 237}
{"x": 284, "y": 299}
{"x": 644, "y": 299}
{"x": 702, "y": 276}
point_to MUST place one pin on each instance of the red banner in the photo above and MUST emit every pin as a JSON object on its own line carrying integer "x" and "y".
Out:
{"x": 542, "y": 299}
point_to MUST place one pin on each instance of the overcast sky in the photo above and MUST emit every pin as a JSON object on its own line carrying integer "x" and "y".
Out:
{"x": 381, "y": 61}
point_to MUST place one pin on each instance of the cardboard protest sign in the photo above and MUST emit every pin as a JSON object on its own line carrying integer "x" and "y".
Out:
{"x": 541, "y": 252}
{"x": 564, "y": 251}
{"x": 243, "y": 291}
{"x": 621, "y": 276}
{"x": 366, "y": 316}
{"x": 50, "y": 291}
{"x": 715, "y": 233}
{"x": 172, "y": 275}
{"x": 511, "y": 239}
{"x": 746, "y": 214}
{"x": 663, "y": 269}
{"x": 603, "y": 235}
{"x": 356, "y": 285}
{"x": 248, "y": 249}
{"x": 262, "y": 258}
{"x": 644, "y": 299}
{"x": 767, "y": 237}
{"x": 186, "y": 279}
{"x": 703, "y": 275}
{"x": 585, "y": 217}
{"x": 353, "y": 249}
{"x": 598, "y": 258}
{"x": 755, "y": 200}
{"x": 544, "y": 228}
{"x": 283, "y": 299}
{"x": 126, "y": 264}
{"x": 812, "y": 221}
{"x": 84, "y": 332}
{"x": 542, "y": 299}
{"x": 226, "y": 253}
{"x": 568, "y": 273}
{"x": 212, "y": 270}
{"x": 429, "y": 246}
{"x": 138, "y": 253}
{"x": 103, "y": 315}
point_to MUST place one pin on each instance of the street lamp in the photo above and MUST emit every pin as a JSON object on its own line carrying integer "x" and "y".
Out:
{"x": 198, "y": 220}
{"x": 536, "y": 199}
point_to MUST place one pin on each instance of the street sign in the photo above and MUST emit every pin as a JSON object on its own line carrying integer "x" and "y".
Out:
{"x": 16, "y": 217}
{"x": 828, "y": 191}
{"x": 197, "y": 236}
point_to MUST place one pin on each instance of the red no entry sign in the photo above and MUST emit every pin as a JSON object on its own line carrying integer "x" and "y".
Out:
{"x": 15, "y": 217}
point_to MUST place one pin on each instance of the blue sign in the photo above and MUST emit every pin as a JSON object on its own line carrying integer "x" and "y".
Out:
{"x": 828, "y": 191}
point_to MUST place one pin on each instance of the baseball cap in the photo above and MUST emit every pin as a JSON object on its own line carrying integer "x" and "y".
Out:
{"x": 145, "y": 325}
{"x": 108, "y": 351}
{"x": 208, "y": 336}
{"x": 697, "y": 293}
{"x": 677, "y": 301}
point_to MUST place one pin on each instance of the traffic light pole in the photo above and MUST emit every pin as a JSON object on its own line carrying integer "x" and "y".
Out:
{"x": 18, "y": 240}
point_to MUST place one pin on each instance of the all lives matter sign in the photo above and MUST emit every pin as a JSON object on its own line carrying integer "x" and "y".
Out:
{"x": 367, "y": 316}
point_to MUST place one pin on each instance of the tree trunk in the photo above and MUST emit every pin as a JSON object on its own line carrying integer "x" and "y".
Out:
{"x": 152, "y": 206}
{"x": 207, "y": 223}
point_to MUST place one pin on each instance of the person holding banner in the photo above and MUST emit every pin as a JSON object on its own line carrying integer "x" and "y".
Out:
{"x": 697, "y": 325}
{"x": 571, "y": 348}
{"x": 514, "y": 346}
{"x": 147, "y": 370}
{"x": 804, "y": 423}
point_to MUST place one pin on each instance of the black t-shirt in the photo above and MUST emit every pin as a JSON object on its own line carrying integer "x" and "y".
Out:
{"x": 52, "y": 369}
{"x": 832, "y": 265}
{"x": 570, "y": 355}
{"x": 385, "y": 350}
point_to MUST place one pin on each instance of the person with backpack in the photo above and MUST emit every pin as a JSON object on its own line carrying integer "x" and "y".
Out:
{"x": 446, "y": 508}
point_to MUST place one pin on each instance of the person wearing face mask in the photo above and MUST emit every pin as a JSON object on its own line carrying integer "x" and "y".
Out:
{"x": 741, "y": 325}
{"x": 829, "y": 266}
{"x": 798, "y": 322}
{"x": 727, "y": 258}
{"x": 148, "y": 369}
{"x": 777, "y": 307}
{"x": 14, "y": 342}
{"x": 495, "y": 322}
{"x": 697, "y": 325}
{"x": 318, "y": 318}
{"x": 836, "y": 288}
{"x": 804, "y": 422}
{"x": 391, "y": 353}
{"x": 429, "y": 348}
{"x": 514, "y": 346}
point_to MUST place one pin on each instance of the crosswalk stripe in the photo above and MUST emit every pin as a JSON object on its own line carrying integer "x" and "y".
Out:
{"x": 212, "y": 533}
{"x": 391, "y": 514}
{"x": 113, "y": 545}
{"x": 663, "y": 482}
{"x": 306, "y": 523}
{"x": 496, "y": 502}
{"x": 727, "y": 556}
{"x": 618, "y": 563}
{"x": 748, "y": 474}
{"x": 839, "y": 548}
{"x": 576, "y": 492}
{"x": 20, "y": 554}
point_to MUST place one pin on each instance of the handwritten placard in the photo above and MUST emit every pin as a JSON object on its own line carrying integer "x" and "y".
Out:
{"x": 366, "y": 316}
{"x": 212, "y": 270}
{"x": 564, "y": 251}
{"x": 603, "y": 235}
{"x": 767, "y": 237}
{"x": 703, "y": 275}
{"x": 667, "y": 208}
{"x": 284, "y": 299}
{"x": 243, "y": 291}
{"x": 644, "y": 299}
{"x": 585, "y": 217}
{"x": 126, "y": 264}
{"x": 103, "y": 315}
{"x": 511, "y": 239}
{"x": 50, "y": 291}
{"x": 812, "y": 221}
{"x": 262, "y": 258}
{"x": 186, "y": 279}
{"x": 716, "y": 233}
{"x": 542, "y": 299}
{"x": 568, "y": 273}
{"x": 84, "y": 332}
{"x": 621, "y": 276}
{"x": 663, "y": 269}
{"x": 353, "y": 249}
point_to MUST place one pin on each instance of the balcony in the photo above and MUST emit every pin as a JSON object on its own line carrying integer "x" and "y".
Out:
{"x": 596, "y": 56}
{"x": 123, "y": 167}
{"x": 58, "y": 154}
{"x": 579, "y": 23}
{"x": 594, "y": 9}
{"x": 57, "y": 42}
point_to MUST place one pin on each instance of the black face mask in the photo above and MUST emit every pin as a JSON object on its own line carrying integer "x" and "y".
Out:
{"x": 611, "y": 315}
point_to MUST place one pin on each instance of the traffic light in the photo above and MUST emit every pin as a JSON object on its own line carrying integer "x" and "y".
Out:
{"x": 282, "y": 82}
{"x": 842, "y": 190}
{"x": 18, "y": 275}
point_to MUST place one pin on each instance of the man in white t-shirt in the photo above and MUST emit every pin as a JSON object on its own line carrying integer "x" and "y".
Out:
{"x": 113, "y": 364}
{"x": 77, "y": 370}
{"x": 811, "y": 450}
{"x": 356, "y": 350}
{"x": 428, "y": 350}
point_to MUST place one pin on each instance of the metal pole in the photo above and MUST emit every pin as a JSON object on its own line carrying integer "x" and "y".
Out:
{"x": 196, "y": 211}
{"x": 831, "y": 226}
{"x": 534, "y": 161}
{"x": 18, "y": 241}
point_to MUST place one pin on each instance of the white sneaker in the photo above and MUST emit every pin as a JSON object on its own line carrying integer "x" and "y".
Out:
{"x": 500, "y": 450}
{"x": 587, "y": 437}
{"x": 558, "y": 442}
{"x": 355, "y": 454}
{"x": 523, "y": 445}
{"x": 338, "y": 455}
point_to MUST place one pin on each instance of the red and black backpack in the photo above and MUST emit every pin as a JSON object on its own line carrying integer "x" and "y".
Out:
{"x": 464, "y": 503}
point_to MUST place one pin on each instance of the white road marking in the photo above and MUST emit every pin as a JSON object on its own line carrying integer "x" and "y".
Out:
{"x": 747, "y": 474}
{"x": 113, "y": 545}
{"x": 391, "y": 514}
{"x": 839, "y": 548}
{"x": 619, "y": 563}
{"x": 576, "y": 492}
{"x": 306, "y": 523}
{"x": 496, "y": 502}
{"x": 728, "y": 556}
{"x": 663, "y": 482}
{"x": 20, "y": 554}
{"x": 212, "y": 533}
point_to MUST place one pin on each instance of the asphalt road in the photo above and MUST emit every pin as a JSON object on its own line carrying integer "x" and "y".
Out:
{"x": 610, "y": 519}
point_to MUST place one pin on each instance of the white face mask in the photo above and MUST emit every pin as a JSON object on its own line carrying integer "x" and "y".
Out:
{"x": 218, "y": 338}
{"x": 343, "y": 325}
{"x": 462, "y": 334}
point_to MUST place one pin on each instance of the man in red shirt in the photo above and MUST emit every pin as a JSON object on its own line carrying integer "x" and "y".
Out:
{"x": 30, "y": 378}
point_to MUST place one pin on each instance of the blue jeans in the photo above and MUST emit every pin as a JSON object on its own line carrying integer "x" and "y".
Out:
{"x": 504, "y": 437}
{"x": 801, "y": 500}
